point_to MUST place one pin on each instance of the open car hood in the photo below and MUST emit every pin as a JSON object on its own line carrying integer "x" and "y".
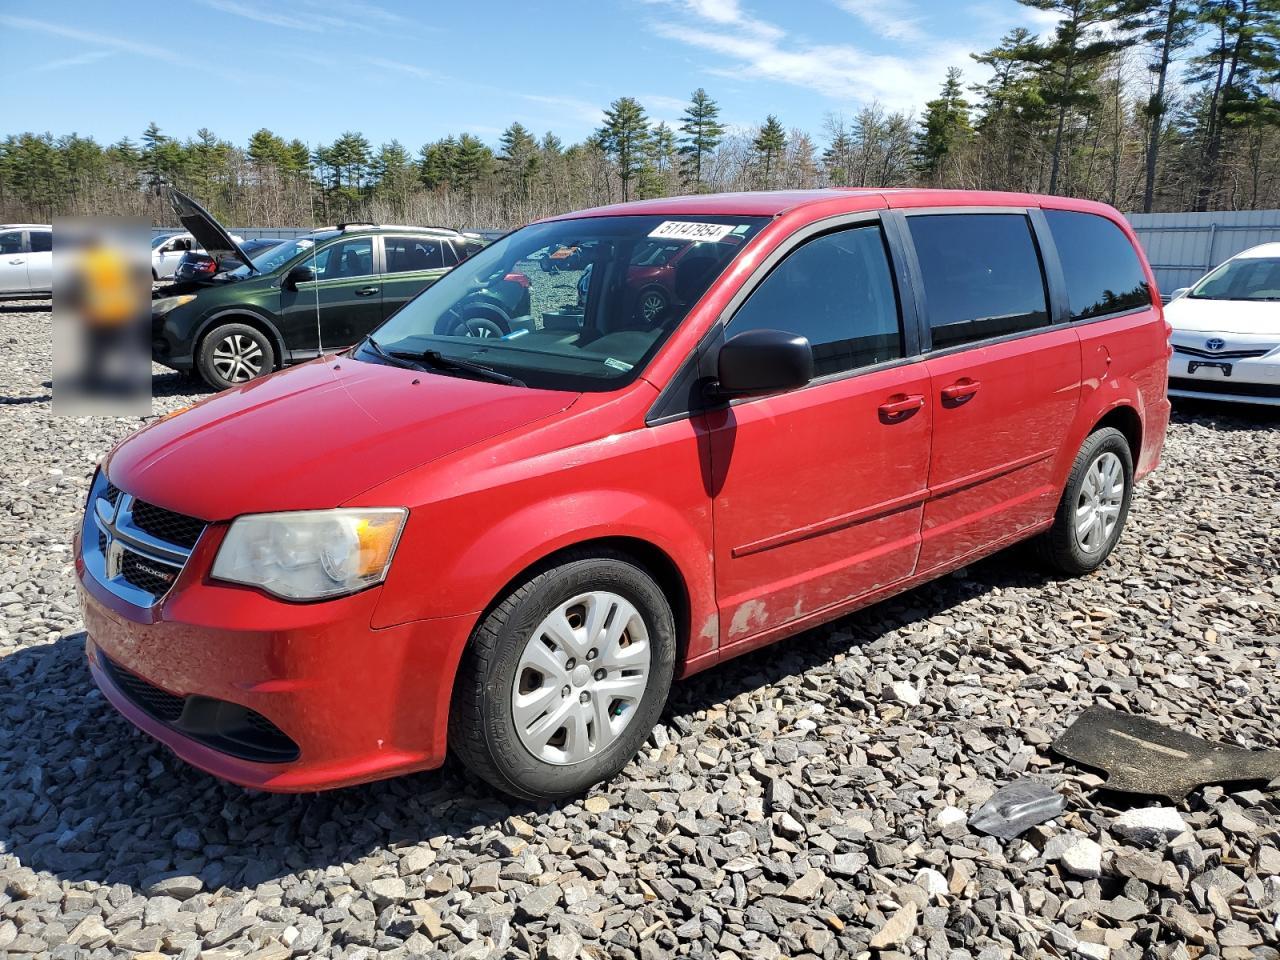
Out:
{"x": 209, "y": 233}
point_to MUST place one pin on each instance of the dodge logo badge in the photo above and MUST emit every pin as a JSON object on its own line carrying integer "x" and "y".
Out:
{"x": 1215, "y": 343}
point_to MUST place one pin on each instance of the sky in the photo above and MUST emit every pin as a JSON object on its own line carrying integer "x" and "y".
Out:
{"x": 417, "y": 71}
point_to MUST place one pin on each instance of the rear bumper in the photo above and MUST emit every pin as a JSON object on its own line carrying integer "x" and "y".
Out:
{"x": 356, "y": 704}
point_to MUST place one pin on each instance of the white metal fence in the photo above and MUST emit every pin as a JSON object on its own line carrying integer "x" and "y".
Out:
{"x": 1183, "y": 247}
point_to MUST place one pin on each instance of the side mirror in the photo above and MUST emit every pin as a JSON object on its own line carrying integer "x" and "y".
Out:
{"x": 1180, "y": 292}
{"x": 299, "y": 274}
{"x": 757, "y": 362}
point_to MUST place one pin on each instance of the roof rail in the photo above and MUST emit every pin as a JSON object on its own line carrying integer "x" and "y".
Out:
{"x": 365, "y": 225}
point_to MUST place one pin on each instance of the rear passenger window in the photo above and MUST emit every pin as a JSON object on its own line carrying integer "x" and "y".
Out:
{"x": 836, "y": 290}
{"x": 982, "y": 276}
{"x": 405, "y": 254}
{"x": 41, "y": 241}
{"x": 1101, "y": 268}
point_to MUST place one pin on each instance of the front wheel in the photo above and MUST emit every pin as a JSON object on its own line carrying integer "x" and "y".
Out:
{"x": 232, "y": 354}
{"x": 565, "y": 678}
{"x": 1094, "y": 505}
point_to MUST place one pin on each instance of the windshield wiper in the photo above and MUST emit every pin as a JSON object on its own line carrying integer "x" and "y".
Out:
{"x": 393, "y": 359}
{"x": 439, "y": 361}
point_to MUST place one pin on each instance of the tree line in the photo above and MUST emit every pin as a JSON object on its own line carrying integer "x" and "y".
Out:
{"x": 1145, "y": 104}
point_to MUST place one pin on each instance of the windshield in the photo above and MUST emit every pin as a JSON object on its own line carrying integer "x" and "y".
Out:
{"x": 572, "y": 304}
{"x": 275, "y": 256}
{"x": 1249, "y": 278}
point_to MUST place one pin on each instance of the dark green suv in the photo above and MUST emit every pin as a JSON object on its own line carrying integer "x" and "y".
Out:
{"x": 317, "y": 293}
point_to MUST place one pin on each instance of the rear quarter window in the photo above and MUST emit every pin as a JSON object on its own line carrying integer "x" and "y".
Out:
{"x": 1102, "y": 270}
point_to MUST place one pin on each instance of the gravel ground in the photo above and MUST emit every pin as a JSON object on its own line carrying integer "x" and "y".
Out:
{"x": 809, "y": 799}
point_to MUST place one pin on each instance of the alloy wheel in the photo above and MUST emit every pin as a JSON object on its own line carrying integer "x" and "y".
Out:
{"x": 238, "y": 358}
{"x": 580, "y": 678}
{"x": 651, "y": 305}
{"x": 1100, "y": 502}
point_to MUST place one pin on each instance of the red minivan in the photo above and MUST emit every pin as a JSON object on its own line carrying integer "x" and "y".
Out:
{"x": 509, "y": 546}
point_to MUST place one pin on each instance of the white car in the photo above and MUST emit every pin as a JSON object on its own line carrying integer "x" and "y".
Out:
{"x": 26, "y": 261}
{"x": 1226, "y": 331}
{"x": 168, "y": 250}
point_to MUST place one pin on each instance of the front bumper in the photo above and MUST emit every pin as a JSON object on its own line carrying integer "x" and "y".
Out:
{"x": 1233, "y": 367}
{"x": 168, "y": 347}
{"x": 356, "y": 703}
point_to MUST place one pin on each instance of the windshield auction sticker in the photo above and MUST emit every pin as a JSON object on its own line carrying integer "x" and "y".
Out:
{"x": 685, "y": 230}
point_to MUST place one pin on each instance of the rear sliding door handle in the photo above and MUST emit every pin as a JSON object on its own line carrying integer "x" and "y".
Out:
{"x": 366, "y": 291}
{"x": 900, "y": 406}
{"x": 961, "y": 391}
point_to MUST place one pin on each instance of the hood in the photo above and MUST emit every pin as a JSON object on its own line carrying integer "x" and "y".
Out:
{"x": 208, "y": 232}
{"x": 315, "y": 436}
{"x": 1258, "y": 317}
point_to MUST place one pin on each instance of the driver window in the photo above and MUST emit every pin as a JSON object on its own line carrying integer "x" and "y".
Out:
{"x": 838, "y": 291}
{"x": 11, "y": 242}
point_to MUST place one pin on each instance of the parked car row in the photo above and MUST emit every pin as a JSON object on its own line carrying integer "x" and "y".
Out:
{"x": 509, "y": 546}
{"x": 26, "y": 261}
{"x": 291, "y": 300}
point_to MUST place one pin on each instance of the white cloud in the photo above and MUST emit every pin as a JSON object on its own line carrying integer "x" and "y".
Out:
{"x": 656, "y": 102}
{"x": 840, "y": 72}
{"x": 95, "y": 39}
{"x": 892, "y": 22}
{"x": 412, "y": 69}
{"x": 583, "y": 111}
{"x": 306, "y": 24}
{"x": 92, "y": 56}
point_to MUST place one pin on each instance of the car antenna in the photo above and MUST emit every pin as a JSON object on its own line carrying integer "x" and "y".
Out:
{"x": 315, "y": 283}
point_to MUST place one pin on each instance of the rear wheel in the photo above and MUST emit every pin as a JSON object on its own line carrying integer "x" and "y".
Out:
{"x": 565, "y": 678}
{"x": 1094, "y": 505}
{"x": 234, "y": 353}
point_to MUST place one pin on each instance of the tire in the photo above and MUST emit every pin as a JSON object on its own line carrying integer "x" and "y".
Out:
{"x": 1090, "y": 497}
{"x": 479, "y": 326}
{"x": 232, "y": 354}
{"x": 651, "y": 306}
{"x": 505, "y": 707}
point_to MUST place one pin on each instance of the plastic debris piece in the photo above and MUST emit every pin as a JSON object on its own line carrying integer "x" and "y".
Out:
{"x": 1144, "y": 757}
{"x": 1016, "y": 808}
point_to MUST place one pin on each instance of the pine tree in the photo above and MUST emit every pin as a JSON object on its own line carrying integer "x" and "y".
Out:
{"x": 768, "y": 145}
{"x": 1169, "y": 27}
{"x": 1243, "y": 53}
{"x": 702, "y": 132}
{"x": 623, "y": 138}
{"x": 438, "y": 163}
{"x": 1077, "y": 45}
{"x": 266, "y": 149}
{"x": 518, "y": 158}
{"x": 944, "y": 128}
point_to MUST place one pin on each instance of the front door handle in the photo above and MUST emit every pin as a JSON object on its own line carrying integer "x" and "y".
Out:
{"x": 961, "y": 391}
{"x": 18, "y": 260}
{"x": 366, "y": 291}
{"x": 900, "y": 406}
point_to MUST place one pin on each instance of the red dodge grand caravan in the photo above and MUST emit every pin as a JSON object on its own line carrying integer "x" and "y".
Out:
{"x": 510, "y": 545}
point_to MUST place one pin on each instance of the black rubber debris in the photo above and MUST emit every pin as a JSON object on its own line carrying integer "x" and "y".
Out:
{"x": 1017, "y": 808}
{"x": 1145, "y": 757}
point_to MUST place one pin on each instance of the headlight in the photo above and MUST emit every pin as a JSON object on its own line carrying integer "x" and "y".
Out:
{"x": 311, "y": 554}
{"x": 166, "y": 304}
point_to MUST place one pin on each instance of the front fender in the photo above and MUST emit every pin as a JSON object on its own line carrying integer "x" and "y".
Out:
{"x": 474, "y": 574}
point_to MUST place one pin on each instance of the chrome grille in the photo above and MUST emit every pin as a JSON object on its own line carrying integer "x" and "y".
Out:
{"x": 135, "y": 549}
{"x": 1219, "y": 354}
